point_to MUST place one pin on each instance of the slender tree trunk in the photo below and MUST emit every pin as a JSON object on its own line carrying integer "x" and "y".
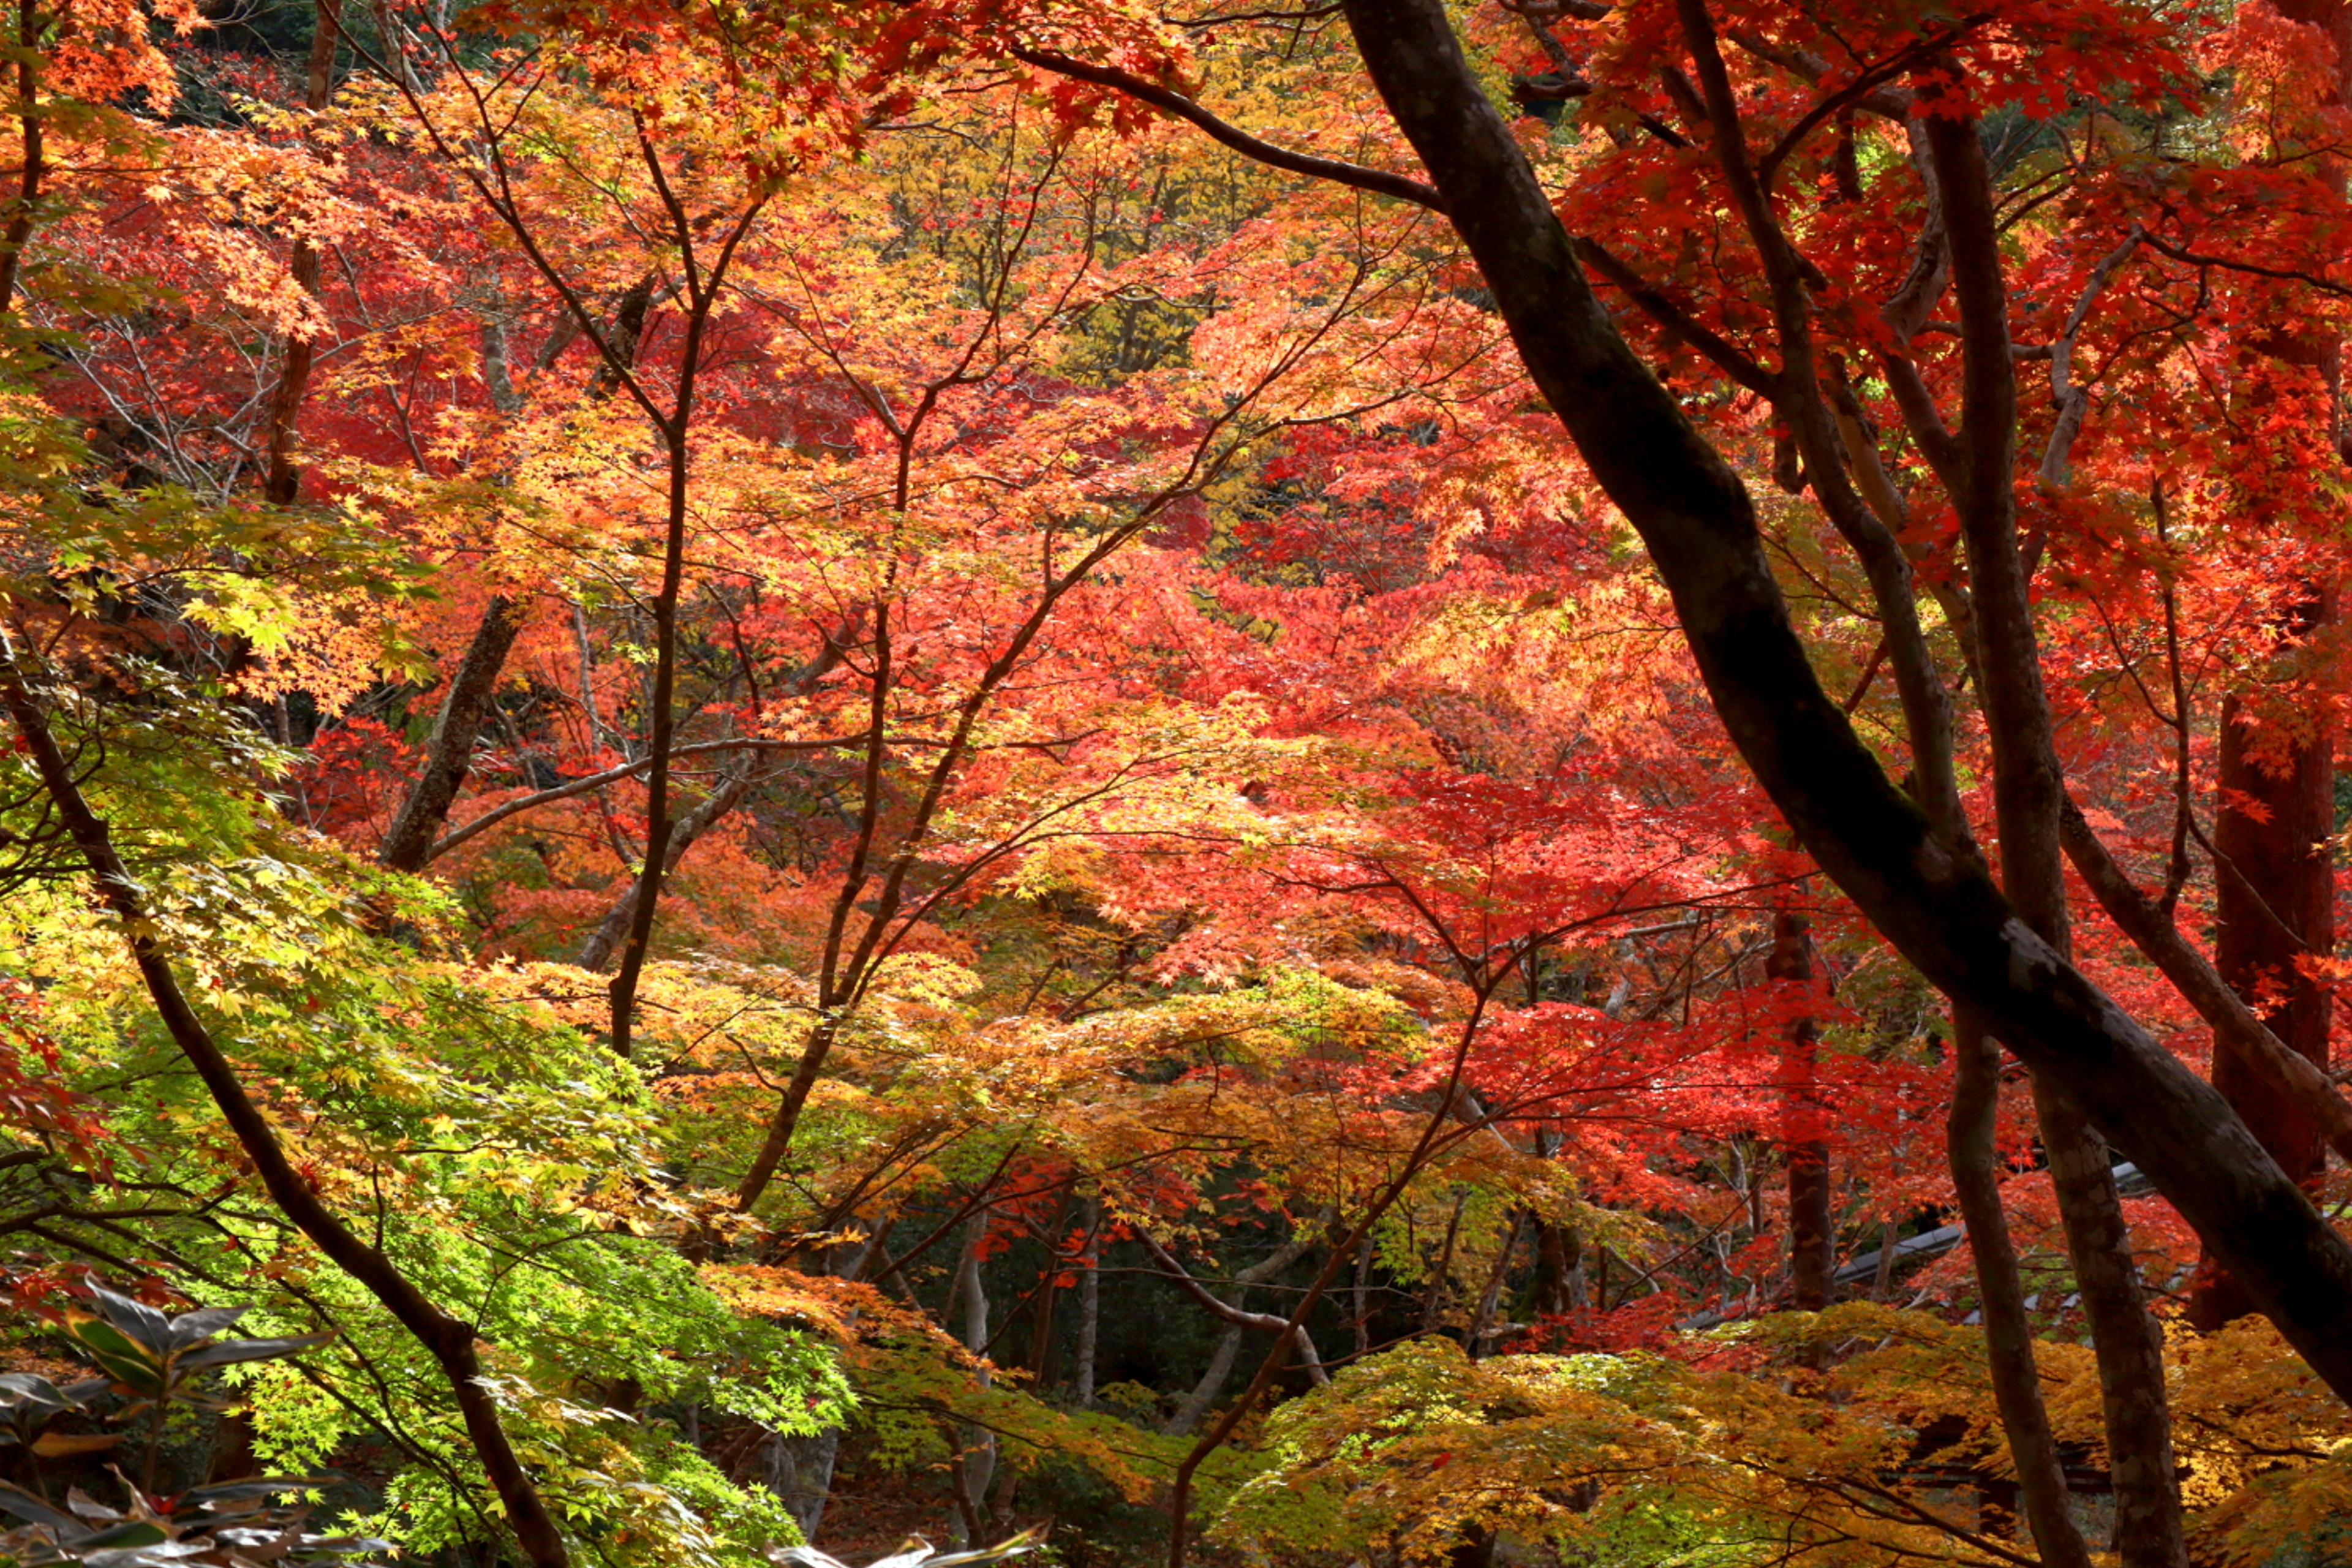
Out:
{"x": 1812, "y": 1240}
{"x": 1888, "y": 1236}
{"x": 283, "y": 481}
{"x": 25, "y": 208}
{"x": 1089, "y": 1305}
{"x": 1220, "y": 1361}
{"x": 1360, "y": 1295}
{"x": 978, "y": 1463}
{"x": 1969, "y": 1130}
{"x": 449, "y": 753}
{"x": 1490, "y": 1300}
{"x": 2030, "y": 796}
{"x": 448, "y": 1340}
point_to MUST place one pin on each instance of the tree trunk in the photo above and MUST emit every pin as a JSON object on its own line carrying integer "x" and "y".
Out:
{"x": 2274, "y": 882}
{"x": 1213, "y": 1383}
{"x": 1559, "y": 1270}
{"x": 1812, "y": 1240}
{"x": 282, "y": 483}
{"x": 2152, "y": 929}
{"x": 450, "y": 752}
{"x": 799, "y": 1470}
{"x": 978, "y": 1463}
{"x": 2130, "y": 1346}
{"x": 2009, "y": 1337}
{"x": 1220, "y": 1361}
{"x": 448, "y": 1340}
{"x": 1490, "y": 1300}
{"x": 1089, "y": 1305}
{"x": 1359, "y": 1296}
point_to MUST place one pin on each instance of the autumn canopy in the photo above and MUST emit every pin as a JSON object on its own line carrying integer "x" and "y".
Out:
{"x": 1314, "y": 784}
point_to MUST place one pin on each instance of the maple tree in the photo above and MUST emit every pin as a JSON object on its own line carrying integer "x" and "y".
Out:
{"x": 1543, "y": 782}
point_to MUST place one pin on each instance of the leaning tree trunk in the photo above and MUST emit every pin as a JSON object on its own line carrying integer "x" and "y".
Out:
{"x": 450, "y": 754}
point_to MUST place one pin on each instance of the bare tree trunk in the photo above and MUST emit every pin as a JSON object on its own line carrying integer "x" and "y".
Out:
{"x": 450, "y": 751}
{"x": 2009, "y": 1337}
{"x": 1359, "y": 1296}
{"x": 978, "y": 1463}
{"x": 2130, "y": 1346}
{"x": 497, "y": 359}
{"x": 626, "y": 335}
{"x": 1090, "y": 1304}
{"x": 1559, "y": 1270}
{"x": 1812, "y": 1240}
{"x": 799, "y": 1470}
{"x": 1220, "y": 1361}
{"x": 1213, "y": 1383}
{"x": 1482, "y": 1323}
{"x": 283, "y": 482}
{"x": 1886, "y": 1275}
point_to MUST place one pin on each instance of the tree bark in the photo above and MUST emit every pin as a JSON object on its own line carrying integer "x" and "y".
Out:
{"x": 1935, "y": 903}
{"x": 978, "y": 1464}
{"x": 1089, "y": 1305}
{"x": 33, "y": 157}
{"x": 282, "y": 483}
{"x": 1812, "y": 1240}
{"x": 1559, "y": 1270}
{"x": 799, "y": 1470}
{"x": 449, "y": 753}
{"x": 2274, "y": 880}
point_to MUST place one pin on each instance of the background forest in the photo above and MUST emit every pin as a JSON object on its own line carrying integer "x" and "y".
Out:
{"x": 1266, "y": 783}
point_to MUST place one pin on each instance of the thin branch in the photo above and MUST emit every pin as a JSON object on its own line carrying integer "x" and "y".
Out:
{"x": 1379, "y": 182}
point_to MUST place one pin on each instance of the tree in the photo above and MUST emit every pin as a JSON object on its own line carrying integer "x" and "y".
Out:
{"x": 940, "y": 764}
